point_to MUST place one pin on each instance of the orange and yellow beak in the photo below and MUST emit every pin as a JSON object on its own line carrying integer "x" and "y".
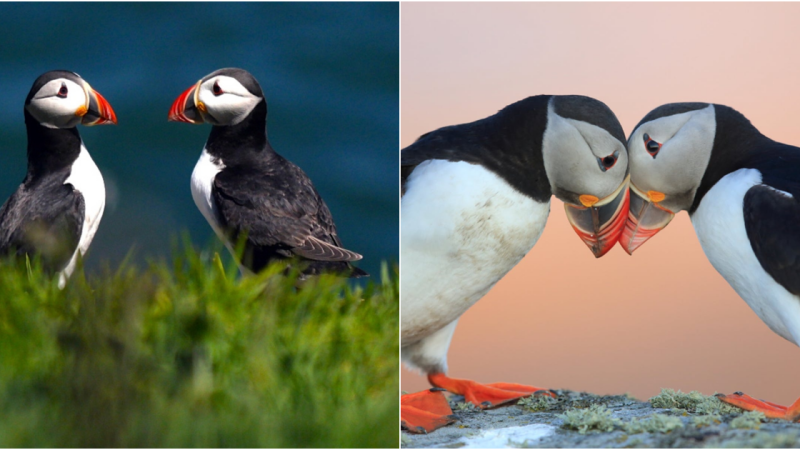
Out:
{"x": 646, "y": 217}
{"x": 599, "y": 222}
{"x": 97, "y": 110}
{"x": 186, "y": 108}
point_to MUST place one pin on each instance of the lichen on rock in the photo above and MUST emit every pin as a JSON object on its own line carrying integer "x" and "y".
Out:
{"x": 595, "y": 418}
{"x": 657, "y": 423}
{"x": 693, "y": 402}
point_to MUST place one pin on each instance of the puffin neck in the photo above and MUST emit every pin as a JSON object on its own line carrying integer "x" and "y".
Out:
{"x": 239, "y": 142}
{"x": 736, "y": 141}
{"x": 50, "y": 149}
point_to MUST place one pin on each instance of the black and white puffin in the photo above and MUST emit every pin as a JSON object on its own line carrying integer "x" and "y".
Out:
{"x": 742, "y": 192}
{"x": 241, "y": 185}
{"x": 55, "y": 212}
{"x": 475, "y": 199}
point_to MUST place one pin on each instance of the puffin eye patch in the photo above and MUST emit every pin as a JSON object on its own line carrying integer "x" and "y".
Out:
{"x": 651, "y": 146}
{"x": 608, "y": 162}
{"x": 216, "y": 89}
{"x": 63, "y": 91}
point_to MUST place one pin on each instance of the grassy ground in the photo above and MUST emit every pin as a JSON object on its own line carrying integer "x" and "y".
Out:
{"x": 190, "y": 354}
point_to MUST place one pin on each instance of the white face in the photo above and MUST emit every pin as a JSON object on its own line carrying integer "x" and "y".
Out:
{"x": 678, "y": 166}
{"x": 574, "y": 152}
{"x": 225, "y": 100}
{"x": 59, "y": 104}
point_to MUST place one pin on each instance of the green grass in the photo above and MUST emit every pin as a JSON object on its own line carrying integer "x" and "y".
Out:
{"x": 190, "y": 354}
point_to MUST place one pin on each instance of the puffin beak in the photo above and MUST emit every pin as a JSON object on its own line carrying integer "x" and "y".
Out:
{"x": 186, "y": 108}
{"x": 646, "y": 217}
{"x": 97, "y": 110}
{"x": 599, "y": 222}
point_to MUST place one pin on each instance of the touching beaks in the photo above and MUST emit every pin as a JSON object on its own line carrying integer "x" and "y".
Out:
{"x": 186, "y": 108}
{"x": 646, "y": 217}
{"x": 599, "y": 222}
{"x": 97, "y": 110}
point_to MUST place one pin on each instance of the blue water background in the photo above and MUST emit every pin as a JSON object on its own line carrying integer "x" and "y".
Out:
{"x": 330, "y": 73}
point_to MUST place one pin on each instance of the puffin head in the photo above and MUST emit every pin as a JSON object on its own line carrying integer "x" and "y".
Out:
{"x": 669, "y": 151}
{"x": 222, "y": 98}
{"x": 62, "y": 99}
{"x": 587, "y": 166}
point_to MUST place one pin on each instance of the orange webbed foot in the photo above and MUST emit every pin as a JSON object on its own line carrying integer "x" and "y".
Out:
{"x": 771, "y": 410}
{"x": 486, "y": 396}
{"x": 423, "y": 412}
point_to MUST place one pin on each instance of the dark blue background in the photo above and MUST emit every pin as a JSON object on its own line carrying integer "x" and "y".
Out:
{"x": 330, "y": 73}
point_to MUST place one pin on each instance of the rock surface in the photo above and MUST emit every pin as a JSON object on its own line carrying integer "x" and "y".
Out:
{"x": 582, "y": 420}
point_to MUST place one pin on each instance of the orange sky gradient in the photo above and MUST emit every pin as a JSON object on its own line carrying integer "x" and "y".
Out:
{"x": 562, "y": 319}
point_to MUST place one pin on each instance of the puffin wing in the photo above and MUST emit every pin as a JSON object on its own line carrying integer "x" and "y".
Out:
{"x": 284, "y": 212}
{"x": 772, "y": 218}
{"x": 47, "y": 221}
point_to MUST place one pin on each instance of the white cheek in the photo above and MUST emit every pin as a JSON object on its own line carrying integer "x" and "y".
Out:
{"x": 56, "y": 112}
{"x": 571, "y": 163}
{"x": 680, "y": 164}
{"x": 228, "y": 109}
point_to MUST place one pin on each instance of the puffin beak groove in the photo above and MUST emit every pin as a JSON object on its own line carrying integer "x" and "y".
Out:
{"x": 97, "y": 110}
{"x": 646, "y": 217}
{"x": 186, "y": 108}
{"x": 599, "y": 222}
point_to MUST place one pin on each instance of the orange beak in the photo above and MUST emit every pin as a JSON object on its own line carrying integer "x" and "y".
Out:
{"x": 98, "y": 111}
{"x": 184, "y": 108}
{"x": 646, "y": 217}
{"x": 599, "y": 223}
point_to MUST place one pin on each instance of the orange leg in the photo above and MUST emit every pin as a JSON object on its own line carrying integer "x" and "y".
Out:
{"x": 485, "y": 395}
{"x": 771, "y": 410}
{"x": 425, "y": 411}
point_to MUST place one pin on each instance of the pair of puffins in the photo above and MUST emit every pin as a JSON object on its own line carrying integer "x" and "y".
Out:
{"x": 240, "y": 184}
{"x": 476, "y": 196}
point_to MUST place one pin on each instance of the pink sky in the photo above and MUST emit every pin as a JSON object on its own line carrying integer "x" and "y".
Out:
{"x": 562, "y": 319}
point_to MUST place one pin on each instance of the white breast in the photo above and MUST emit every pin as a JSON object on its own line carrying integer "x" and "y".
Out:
{"x": 719, "y": 224}
{"x": 86, "y": 178}
{"x": 462, "y": 228}
{"x": 202, "y": 180}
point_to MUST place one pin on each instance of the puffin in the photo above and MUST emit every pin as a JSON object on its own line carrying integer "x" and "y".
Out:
{"x": 474, "y": 200}
{"x": 741, "y": 190}
{"x": 247, "y": 191}
{"x": 55, "y": 212}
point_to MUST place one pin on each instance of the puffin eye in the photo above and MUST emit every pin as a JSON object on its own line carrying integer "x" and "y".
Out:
{"x": 217, "y": 90}
{"x": 608, "y": 162}
{"x": 63, "y": 91}
{"x": 651, "y": 146}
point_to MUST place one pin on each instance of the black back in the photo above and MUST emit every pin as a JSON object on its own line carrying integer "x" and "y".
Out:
{"x": 508, "y": 143}
{"x": 274, "y": 204}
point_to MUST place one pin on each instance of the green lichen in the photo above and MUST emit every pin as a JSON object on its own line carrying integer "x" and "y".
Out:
{"x": 466, "y": 406}
{"x": 405, "y": 440}
{"x": 706, "y": 420}
{"x": 766, "y": 440}
{"x": 536, "y": 403}
{"x": 693, "y": 402}
{"x": 595, "y": 418}
{"x": 657, "y": 423}
{"x": 750, "y": 420}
